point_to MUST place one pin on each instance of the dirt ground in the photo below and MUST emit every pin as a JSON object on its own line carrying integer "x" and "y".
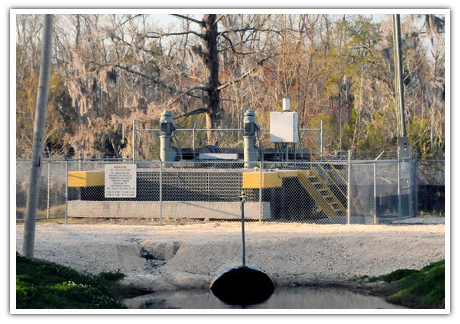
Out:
{"x": 174, "y": 257}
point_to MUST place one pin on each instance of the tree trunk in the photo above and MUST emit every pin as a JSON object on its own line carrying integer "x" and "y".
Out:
{"x": 211, "y": 99}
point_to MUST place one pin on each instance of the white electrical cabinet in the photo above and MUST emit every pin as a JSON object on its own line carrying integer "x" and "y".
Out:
{"x": 284, "y": 127}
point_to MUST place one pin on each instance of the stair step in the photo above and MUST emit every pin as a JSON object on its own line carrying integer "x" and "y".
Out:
{"x": 320, "y": 190}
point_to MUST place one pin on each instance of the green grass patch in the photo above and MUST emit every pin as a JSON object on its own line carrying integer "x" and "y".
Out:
{"x": 423, "y": 288}
{"x": 43, "y": 285}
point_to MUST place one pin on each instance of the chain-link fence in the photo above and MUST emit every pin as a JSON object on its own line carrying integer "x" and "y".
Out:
{"x": 376, "y": 192}
{"x": 430, "y": 182}
{"x": 53, "y": 196}
{"x": 319, "y": 191}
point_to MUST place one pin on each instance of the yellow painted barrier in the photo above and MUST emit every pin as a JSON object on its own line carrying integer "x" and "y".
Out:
{"x": 83, "y": 179}
{"x": 270, "y": 179}
{"x": 251, "y": 180}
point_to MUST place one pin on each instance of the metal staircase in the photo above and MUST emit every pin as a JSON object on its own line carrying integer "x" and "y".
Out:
{"x": 321, "y": 193}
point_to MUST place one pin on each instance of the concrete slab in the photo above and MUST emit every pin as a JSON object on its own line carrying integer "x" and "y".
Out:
{"x": 170, "y": 209}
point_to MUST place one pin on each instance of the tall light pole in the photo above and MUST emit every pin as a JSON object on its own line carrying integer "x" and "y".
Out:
{"x": 39, "y": 133}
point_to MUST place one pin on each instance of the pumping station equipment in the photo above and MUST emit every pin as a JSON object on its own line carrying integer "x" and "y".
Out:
{"x": 205, "y": 182}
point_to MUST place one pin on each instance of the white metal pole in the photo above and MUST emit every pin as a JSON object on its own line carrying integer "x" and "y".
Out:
{"x": 48, "y": 184}
{"x": 260, "y": 192}
{"x": 39, "y": 132}
{"x": 416, "y": 184}
{"x": 243, "y": 198}
{"x": 66, "y": 190}
{"x": 193, "y": 138}
{"x": 411, "y": 174}
{"x": 48, "y": 191}
{"x": 134, "y": 141}
{"x": 349, "y": 189}
{"x": 399, "y": 190}
{"x": 375, "y": 193}
{"x": 321, "y": 139}
{"x": 161, "y": 193}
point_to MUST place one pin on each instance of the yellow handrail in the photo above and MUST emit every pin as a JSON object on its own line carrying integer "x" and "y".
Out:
{"x": 326, "y": 173}
{"x": 327, "y": 160}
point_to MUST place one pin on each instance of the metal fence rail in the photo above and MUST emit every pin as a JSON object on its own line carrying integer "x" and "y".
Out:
{"x": 146, "y": 139}
{"x": 321, "y": 192}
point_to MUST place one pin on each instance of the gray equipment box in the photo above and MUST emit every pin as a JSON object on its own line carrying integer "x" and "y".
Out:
{"x": 284, "y": 127}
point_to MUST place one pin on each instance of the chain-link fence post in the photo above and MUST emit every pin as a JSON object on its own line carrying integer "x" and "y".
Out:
{"x": 321, "y": 139}
{"x": 260, "y": 190}
{"x": 134, "y": 140}
{"x": 410, "y": 187}
{"x": 349, "y": 189}
{"x": 48, "y": 191}
{"x": 416, "y": 184}
{"x": 193, "y": 138}
{"x": 399, "y": 190}
{"x": 66, "y": 190}
{"x": 160, "y": 199}
{"x": 375, "y": 193}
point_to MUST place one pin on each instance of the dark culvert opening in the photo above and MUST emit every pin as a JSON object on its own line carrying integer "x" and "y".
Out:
{"x": 243, "y": 286}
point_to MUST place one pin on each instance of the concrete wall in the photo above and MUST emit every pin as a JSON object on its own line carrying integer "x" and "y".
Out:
{"x": 170, "y": 209}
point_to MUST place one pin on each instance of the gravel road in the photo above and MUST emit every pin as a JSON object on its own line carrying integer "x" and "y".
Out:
{"x": 174, "y": 257}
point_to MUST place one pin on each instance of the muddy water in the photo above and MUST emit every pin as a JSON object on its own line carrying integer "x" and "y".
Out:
{"x": 282, "y": 298}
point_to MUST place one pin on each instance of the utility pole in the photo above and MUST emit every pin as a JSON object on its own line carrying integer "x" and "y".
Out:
{"x": 39, "y": 132}
{"x": 404, "y": 151}
{"x": 399, "y": 75}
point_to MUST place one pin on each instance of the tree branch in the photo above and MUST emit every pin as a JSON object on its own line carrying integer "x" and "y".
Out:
{"x": 161, "y": 83}
{"x": 193, "y": 112}
{"x": 189, "y": 19}
{"x": 159, "y": 35}
{"x": 233, "y": 47}
{"x": 219, "y": 18}
{"x": 188, "y": 93}
{"x": 244, "y": 75}
{"x": 148, "y": 77}
{"x": 127, "y": 19}
{"x": 239, "y": 43}
{"x": 247, "y": 29}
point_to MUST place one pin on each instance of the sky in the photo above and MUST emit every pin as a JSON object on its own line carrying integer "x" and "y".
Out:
{"x": 168, "y": 19}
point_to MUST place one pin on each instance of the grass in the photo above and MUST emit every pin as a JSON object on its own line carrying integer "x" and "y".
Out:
{"x": 423, "y": 288}
{"x": 43, "y": 285}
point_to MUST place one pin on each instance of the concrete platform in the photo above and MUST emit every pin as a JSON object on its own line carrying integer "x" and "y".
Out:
{"x": 170, "y": 209}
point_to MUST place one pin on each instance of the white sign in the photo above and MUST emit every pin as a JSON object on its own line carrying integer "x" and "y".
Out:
{"x": 120, "y": 180}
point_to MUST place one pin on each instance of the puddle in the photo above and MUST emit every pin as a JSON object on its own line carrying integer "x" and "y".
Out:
{"x": 282, "y": 298}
